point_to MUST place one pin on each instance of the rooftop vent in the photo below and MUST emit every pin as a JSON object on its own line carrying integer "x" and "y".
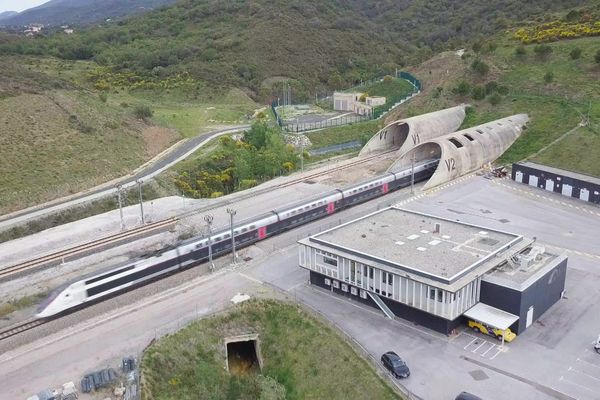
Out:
{"x": 437, "y": 228}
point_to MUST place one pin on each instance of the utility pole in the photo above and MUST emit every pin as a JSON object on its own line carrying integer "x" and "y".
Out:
{"x": 209, "y": 220}
{"x": 232, "y": 213}
{"x": 412, "y": 175}
{"x": 139, "y": 182}
{"x": 119, "y": 188}
{"x": 301, "y": 153}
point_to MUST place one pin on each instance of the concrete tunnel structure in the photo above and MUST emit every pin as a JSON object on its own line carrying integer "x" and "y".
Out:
{"x": 406, "y": 133}
{"x": 463, "y": 151}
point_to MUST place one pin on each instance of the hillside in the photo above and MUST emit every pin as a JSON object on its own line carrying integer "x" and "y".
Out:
{"x": 558, "y": 90}
{"x": 7, "y": 14}
{"x": 78, "y": 12}
{"x": 321, "y": 45}
{"x": 57, "y": 139}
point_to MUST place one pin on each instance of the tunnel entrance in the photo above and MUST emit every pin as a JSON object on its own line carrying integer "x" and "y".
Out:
{"x": 243, "y": 355}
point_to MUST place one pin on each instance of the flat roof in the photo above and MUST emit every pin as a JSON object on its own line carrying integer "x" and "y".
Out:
{"x": 491, "y": 316}
{"x": 564, "y": 172}
{"x": 519, "y": 276}
{"x": 408, "y": 241}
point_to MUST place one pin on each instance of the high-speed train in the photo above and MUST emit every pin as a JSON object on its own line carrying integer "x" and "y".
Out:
{"x": 195, "y": 251}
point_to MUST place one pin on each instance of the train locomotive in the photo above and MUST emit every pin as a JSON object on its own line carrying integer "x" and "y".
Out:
{"x": 195, "y": 251}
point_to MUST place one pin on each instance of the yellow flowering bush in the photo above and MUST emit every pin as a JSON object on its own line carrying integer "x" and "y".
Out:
{"x": 557, "y": 30}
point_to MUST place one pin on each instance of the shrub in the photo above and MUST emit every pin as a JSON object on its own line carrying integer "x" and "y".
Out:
{"x": 480, "y": 67}
{"x": 462, "y": 89}
{"x": 142, "y": 111}
{"x": 388, "y": 78}
{"x": 495, "y": 99}
{"x": 124, "y": 105}
{"x": 597, "y": 57}
{"x": 491, "y": 87}
{"x": 103, "y": 97}
{"x": 520, "y": 51}
{"x": 542, "y": 51}
{"x": 575, "y": 53}
{"x": 478, "y": 92}
{"x": 549, "y": 77}
{"x": 438, "y": 90}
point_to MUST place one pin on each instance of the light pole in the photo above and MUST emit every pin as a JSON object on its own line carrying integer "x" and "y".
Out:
{"x": 139, "y": 182}
{"x": 412, "y": 175}
{"x": 119, "y": 188}
{"x": 232, "y": 213}
{"x": 209, "y": 220}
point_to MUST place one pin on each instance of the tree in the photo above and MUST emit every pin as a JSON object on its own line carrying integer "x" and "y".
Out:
{"x": 575, "y": 53}
{"x": 480, "y": 67}
{"x": 257, "y": 135}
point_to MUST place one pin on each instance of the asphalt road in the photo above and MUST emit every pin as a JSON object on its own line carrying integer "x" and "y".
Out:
{"x": 179, "y": 152}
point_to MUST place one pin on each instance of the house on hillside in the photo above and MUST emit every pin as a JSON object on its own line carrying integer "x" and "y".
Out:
{"x": 352, "y": 102}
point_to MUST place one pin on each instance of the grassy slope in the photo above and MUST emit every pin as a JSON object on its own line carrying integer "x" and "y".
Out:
{"x": 342, "y": 134}
{"x": 56, "y": 140}
{"x": 553, "y": 108}
{"x": 302, "y": 354}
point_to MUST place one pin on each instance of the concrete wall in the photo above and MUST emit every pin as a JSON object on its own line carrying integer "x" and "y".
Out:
{"x": 406, "y": 133}
{"x": 464, "y": 151}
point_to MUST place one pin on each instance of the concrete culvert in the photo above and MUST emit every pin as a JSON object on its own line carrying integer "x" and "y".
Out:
{"x": 243, "y": 356}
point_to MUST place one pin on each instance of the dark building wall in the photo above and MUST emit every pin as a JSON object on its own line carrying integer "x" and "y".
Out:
{"x": 403, "y": 311}
{"x": 558, "y": 181}
{"x": 541, "y": 295}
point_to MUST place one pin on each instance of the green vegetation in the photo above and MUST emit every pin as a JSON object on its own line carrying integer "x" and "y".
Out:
{"x": 57, "y": 140}
{"x": 522, "y": 86}
{"x": 20, "y": 303}
{"x": 302, "y": 359}
{"x": 322, "y": 44}
{"x": 342, "y": 134}
{"x": 238, "y": 164}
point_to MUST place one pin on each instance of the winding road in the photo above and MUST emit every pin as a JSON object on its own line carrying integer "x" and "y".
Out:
{"x": 166, "y": 159}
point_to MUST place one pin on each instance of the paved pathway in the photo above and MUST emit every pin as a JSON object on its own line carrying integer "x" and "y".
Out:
{"x": 176, "y": 153}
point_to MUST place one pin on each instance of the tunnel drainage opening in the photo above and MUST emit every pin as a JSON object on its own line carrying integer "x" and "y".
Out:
{"x": 243, "y": 355}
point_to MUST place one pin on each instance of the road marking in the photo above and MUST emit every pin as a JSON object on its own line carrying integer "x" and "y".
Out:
{"x": 491, "y": 347}
{"x": 495, "y": 355}
{"x": 478, "y": 347}
{"x": 577, "y": 384}
{"x": 586, "y": 374}
{"x": 253, "y": 279}
{"x": 470, "y": 343}
{"x": 587, "y": 362}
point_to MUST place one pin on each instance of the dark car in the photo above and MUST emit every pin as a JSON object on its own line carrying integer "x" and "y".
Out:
{"x": 395, "y": 364}
{"x": 467, "y": 396}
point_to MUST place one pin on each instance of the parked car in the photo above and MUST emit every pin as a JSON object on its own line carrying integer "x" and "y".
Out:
{"x": 597, "y": 345}
{"x": 488, "y": 330}
{"x": 395, "y": 365}
{"x": 467, "y": 396}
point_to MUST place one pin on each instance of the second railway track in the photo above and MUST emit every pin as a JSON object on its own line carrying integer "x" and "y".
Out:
{"x": 114, "y": 240}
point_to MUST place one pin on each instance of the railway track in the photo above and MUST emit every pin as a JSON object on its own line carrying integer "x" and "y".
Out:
{"x": 20, "y": 328}
{"x": 84, "y": 248}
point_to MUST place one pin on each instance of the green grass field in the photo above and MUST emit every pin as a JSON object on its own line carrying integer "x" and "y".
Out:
{"x": 343, "y": 134}
{"x": 302, "y": 359}
{"x": 553, "y": 108}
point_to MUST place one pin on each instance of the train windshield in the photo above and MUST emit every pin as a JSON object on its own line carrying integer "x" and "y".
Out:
{"x": 53, "y": 295}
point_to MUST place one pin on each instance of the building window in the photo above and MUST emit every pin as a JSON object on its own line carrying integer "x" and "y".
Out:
{"x": 433, "y": 296}
{"x": 387, "y": 278}
{"x": 370, "y": 273}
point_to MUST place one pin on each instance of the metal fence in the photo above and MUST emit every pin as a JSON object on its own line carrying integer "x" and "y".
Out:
{"x": 377, "y": 113}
